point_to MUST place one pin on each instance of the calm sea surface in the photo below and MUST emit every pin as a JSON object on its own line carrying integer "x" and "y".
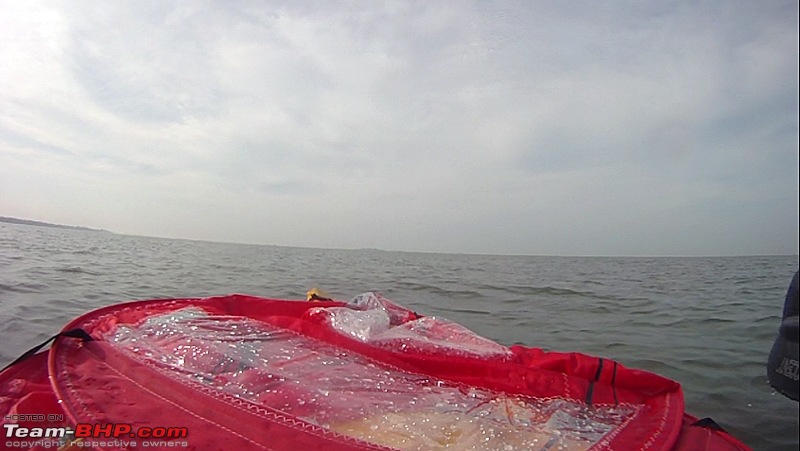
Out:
{"x": 708, "y": 323}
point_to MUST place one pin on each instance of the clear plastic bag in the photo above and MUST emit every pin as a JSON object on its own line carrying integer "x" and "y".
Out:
{"x": 373, "y": 319}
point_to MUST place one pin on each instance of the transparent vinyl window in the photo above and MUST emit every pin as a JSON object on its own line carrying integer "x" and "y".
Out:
{"x": 350, "y": 394}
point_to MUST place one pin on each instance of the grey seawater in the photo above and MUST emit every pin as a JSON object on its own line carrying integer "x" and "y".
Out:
{"x": 708, "y": 323}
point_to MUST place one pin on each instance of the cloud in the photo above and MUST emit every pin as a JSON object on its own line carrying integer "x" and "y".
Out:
{"x": 462, "y": 127}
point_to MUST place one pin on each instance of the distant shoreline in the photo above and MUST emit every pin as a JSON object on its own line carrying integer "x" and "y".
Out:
{"x": 9, "y": 220}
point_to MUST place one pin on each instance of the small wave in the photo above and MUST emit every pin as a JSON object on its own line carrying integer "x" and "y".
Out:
{"x": 538, "y": 291}
{"x": 718, "y": 320}
{"x": 433, "y": 289}
{"x": 556, "y": 292}
{"x": 656, "y": 366}
{"x": 22, "y": 288}
{"x": 470, "y": 311}
{"x": 77, "y": 270}
{"x": 88, "y": 251}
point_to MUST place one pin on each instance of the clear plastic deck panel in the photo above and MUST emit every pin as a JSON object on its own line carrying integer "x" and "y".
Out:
{"x": 348, "y": 393}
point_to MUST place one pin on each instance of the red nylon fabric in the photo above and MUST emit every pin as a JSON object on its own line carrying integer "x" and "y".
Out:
{"x": 697, "y": 438}
{"x": 96, "y": 383}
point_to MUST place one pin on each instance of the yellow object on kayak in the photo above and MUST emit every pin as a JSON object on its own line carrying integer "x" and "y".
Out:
{"x": 315, "y": 294}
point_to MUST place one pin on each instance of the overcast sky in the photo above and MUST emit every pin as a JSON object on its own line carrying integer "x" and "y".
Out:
{"x": 531, "y": 127}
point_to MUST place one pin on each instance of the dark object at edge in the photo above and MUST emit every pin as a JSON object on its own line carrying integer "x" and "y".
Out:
{"x": 782, "y": 366}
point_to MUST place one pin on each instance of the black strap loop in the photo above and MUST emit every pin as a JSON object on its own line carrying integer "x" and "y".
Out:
{"x": 708, "y": 423}
{"x": 613, "y": 383}
{"x": 73, "y": 333}
{"x": 590, "y": 392}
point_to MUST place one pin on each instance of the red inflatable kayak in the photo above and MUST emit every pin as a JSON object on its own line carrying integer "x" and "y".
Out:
{"x": 240, "y": 372}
